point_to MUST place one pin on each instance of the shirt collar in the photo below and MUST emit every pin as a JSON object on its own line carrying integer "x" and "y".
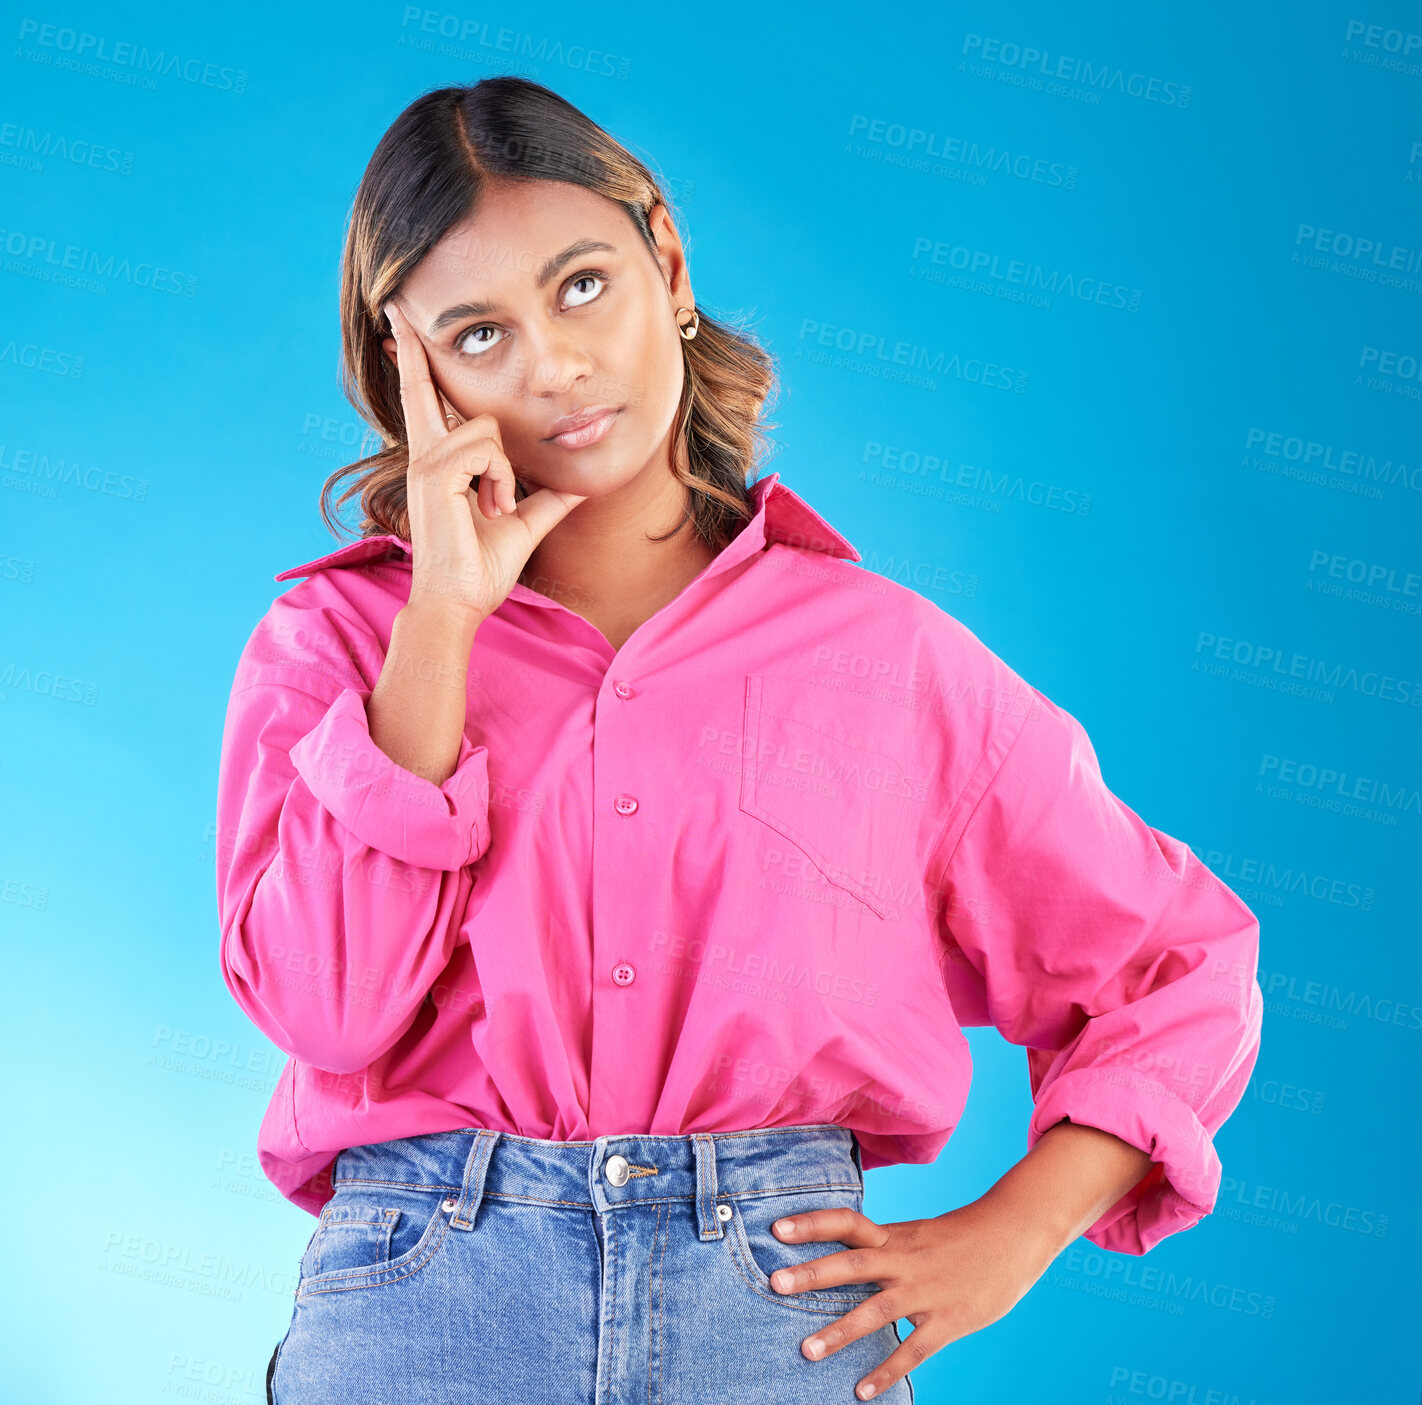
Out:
{"x": 781, "y": 515}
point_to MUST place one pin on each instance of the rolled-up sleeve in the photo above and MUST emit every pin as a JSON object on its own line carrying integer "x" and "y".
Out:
{"x": 341, "y": 875}
{"x": 1121, "y": 963}
{"x": 385, "y": 806}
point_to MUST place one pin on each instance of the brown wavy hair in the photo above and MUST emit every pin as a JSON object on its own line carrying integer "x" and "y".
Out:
{"x": 424, "y": 178}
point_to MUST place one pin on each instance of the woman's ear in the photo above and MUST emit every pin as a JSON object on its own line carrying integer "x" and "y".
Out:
{"x": 388, "y": 347}
{"x": 671, "y": 256}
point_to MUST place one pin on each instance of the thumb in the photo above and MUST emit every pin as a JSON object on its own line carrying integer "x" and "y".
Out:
{"x": 543, "y": 509}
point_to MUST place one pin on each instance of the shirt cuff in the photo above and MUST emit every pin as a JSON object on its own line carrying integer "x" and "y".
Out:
{"x": 387, "y": 807}
{"x": 1180, "y": 1189}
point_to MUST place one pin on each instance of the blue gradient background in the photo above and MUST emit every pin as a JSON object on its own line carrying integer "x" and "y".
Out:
{"x": 184, "y": 463}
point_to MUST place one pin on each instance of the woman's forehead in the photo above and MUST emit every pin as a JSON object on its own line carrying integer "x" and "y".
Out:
{"x": 510, "y": 238}
{"x": 518, "y": 225}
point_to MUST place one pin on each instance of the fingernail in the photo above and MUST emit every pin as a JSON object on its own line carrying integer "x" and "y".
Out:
{"x": 785, "y": 1226}
{"x": 867, "y": 1389}
{"x": 815, "y": 1347}
{"x": 390, "y": 313}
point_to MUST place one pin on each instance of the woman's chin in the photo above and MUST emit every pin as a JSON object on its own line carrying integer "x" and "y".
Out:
{"x": 586, "y": 477}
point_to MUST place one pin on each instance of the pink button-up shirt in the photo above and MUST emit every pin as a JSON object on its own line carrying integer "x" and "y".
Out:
{"x": 755, "y": 868}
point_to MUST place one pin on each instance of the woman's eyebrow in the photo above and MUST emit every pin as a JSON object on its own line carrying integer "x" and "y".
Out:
{"x": 546, "y": 273}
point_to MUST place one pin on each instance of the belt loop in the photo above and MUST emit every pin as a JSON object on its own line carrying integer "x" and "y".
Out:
{"x": 858, "y": 1156}
{"x": 708, "y": 1221}
{"x": 476, "y": 1166}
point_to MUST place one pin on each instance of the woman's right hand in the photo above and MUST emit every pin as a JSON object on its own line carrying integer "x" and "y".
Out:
{"x": 469, "y": 545}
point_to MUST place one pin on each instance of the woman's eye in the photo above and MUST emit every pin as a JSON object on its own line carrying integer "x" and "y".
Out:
{"x": 470, "y": 345}
{"x": 578, "y": 300}
{"x": 478, "y": 341}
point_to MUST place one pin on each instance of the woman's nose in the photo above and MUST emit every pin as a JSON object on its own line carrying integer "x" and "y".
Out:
{"x": 555, "y": 362}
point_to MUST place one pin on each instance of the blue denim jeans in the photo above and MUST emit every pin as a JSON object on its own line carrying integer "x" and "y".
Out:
{"x": 479, "y": 1265}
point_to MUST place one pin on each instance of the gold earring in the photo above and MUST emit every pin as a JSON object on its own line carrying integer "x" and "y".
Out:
{"x": 688, "y": 329}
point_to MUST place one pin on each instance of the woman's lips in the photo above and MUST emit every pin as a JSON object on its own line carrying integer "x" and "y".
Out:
{"x": 587, "y": 434}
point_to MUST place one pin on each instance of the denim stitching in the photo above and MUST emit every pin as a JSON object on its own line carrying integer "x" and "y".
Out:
{"x": 587, "y": 1204}
{"x": 327, "y": 1223}
{"x": 824, "y": 1301}
{"x": 797, "y": 1127}
{"x": 610, "y": 1236}
{"x": 657, "y": 1233}
{"x": 374, "y": 1277}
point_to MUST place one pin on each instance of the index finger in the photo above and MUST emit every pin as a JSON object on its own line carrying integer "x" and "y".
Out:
{"x": 841, "y": 1222}
{"x": 424, "y": 420}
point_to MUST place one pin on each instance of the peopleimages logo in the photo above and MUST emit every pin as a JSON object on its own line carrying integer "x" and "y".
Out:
{"x": 1103, "y": 77}
{"x": 42, "y": 256}
{"x": 1386, "y": 795}
{"x": 1291, "y": 667}
{"x": 1022, "y": 272}
{"x": 1377, "y": 581}
{"x": 1305, "y": 454}
{"x": 1391, "y": 41}
{"x": 1284, "y": 989}
{"x": 78, "y": 47}
{"x": 1361, "y": 248}
{"x": 962, "y": 151}
{"x": 1254, "y": 878}
{"x": 20, "y": 145}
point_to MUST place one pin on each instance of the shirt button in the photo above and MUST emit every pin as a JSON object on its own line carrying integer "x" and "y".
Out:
{"x": 623, "y": 690}
{"x": 623, "y": 973}
{"x": 625, "y": 804}
{"x": 615, "y": 1169}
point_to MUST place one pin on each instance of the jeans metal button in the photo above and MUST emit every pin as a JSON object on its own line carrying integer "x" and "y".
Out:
{"x": 616, "y": 1170}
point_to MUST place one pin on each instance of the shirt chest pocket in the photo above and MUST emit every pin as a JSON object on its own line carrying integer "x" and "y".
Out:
{"x": 818, "y": 767}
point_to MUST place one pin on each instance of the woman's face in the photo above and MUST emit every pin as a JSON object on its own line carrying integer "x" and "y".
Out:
{"x": 546, "y": 303}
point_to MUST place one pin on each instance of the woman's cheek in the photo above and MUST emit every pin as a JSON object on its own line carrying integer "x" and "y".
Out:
{"x": 483, "y": 389}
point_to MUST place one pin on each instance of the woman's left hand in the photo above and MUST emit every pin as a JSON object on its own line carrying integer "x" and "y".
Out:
{"x": 949, "y": 1276}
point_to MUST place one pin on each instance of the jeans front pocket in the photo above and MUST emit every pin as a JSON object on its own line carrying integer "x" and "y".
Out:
{"x": 758, "y": 1253}
{"x": 372, "y": 1234}
{"x": 349, "y": 1236}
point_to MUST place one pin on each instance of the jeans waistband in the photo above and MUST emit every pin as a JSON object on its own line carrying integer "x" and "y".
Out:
{"x": 609, "y": 1171}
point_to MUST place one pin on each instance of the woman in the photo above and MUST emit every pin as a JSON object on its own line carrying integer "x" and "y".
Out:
{"x": 618, "y": 864}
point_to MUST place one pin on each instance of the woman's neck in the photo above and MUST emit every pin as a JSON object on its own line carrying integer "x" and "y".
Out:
{"x": 599, "y": 563}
